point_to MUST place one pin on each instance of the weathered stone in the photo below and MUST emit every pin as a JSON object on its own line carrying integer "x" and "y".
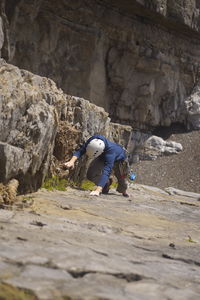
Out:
{"x": 67, "y": 139}
{"x": 8, "y": 193}
{"x": 80, "y": 119}
{"x": 85, "y": 117}
{"x": 105, "y": 247}
{"x": 29, "y": 108}
{"x": 1, "y": 34}
{"x": 137, "y": 59}
{"x": 192, "y": 105}
{"x": 155, "y": 146}
{"x": 38, "y": 120}
{"x": 181, "y": 171}
{"x": 35, "y": 116}
{"x": 13, "y": 160}
{"x": 174, "y": 191}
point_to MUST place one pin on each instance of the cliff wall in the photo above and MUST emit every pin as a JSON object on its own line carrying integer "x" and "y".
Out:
{"x": 137, "y": 59}
{"x": 38, "y": 122}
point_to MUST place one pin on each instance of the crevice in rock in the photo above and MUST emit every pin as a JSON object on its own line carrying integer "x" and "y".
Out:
{"x": 136, "y": 262}
{"x": 49, "y": 264}
{"x": 16, "y": 263}
{"x": 145, "y": 249}
{"x": 98, "y": 252}
{"x": 146, "y": 15}
{"x": 10, "y": 8}
{"x": 189, "y": 204}
{"x": 185, "y": 260}
{"x": 74, "y": 26}
{"x": 137, "y": 236}
{"x": 80, "y": 274}
{"x": 129, "y": 277}
{"x": 165, "y": 132}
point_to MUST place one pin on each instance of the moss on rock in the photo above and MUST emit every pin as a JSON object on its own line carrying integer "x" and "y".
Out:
{"x": 8, "y": 292}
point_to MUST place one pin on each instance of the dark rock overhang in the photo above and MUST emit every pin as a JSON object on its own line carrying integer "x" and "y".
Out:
{"x": 133, "y": 9}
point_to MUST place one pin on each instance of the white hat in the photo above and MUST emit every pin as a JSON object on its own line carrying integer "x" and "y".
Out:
{"x": 95, "y": 148}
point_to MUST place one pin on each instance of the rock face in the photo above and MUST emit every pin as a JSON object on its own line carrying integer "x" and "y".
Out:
{"x": 137, "y": 59}
{"x": 192, "y": 104}
{"x": 129, "y": 58}
{"x": 69, "y": 245}
{"x": 8, "y": 193}
{"x": 37, "y": 120}
{"x": 29, "y": 115}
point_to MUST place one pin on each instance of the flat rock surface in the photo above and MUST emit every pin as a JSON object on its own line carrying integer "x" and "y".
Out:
{"x": 69, "y": 245}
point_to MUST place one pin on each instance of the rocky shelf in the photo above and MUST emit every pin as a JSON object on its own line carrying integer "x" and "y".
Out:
{"x": 69, "y": 245}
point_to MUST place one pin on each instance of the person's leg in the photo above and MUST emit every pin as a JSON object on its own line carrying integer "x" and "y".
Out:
{"x": 107, "y": 186}
{"x": 121, "y": 172}
{"x": 95, "y": 170}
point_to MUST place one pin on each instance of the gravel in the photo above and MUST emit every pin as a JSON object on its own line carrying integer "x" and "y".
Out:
{"x": 180, "y": 171}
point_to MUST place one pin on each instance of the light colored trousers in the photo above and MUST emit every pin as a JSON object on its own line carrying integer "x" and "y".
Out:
{"x": 120, "y": 169}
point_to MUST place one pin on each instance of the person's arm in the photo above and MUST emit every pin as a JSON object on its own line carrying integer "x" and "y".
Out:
{"x": 108, "y": 166}
{"x": 71, "y": 162}
{"x": 109, "y": 162}
{"x": 77, "y": 154}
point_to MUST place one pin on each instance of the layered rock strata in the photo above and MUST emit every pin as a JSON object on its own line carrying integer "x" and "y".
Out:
{"x": 137, "y": 59}
{"x": 38, "y": 121}
{"x": 29, "y": 115}
{"x": 108, "y": 247}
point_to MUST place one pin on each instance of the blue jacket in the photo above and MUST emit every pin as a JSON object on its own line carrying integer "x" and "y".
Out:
{"x": 112, "y": 153}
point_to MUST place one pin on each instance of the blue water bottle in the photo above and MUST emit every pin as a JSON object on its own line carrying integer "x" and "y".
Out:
{"x": 132, "y": 176}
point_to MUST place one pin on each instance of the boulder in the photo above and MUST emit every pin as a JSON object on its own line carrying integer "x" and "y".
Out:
{"x": 29, "y": 114}
{"x": 155, "y": 146}
{"x": 8, "y": 192}
{"x": 192, "y": 105}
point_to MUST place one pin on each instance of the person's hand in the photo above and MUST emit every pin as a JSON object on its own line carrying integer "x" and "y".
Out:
{"x": 68, "y": 165}
{"x": 97, "y": 192}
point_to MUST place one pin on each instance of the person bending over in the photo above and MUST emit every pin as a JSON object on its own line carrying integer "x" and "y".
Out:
{"x": 104, "y": 156}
